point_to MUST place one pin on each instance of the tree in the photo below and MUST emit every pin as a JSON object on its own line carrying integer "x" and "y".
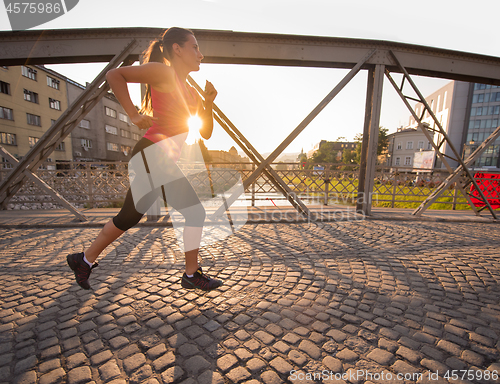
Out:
{"x": 349, "y": 156}
{"x": 325, "y": 154}
{"x": 383, "y": 142}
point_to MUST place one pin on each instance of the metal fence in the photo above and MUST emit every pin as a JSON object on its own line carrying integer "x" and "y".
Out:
{"x": 104, "y": 184}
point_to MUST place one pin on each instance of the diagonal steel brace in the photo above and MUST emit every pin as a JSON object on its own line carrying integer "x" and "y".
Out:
{"x": 62, "y": 128}
{"x": 459, "y": 171}
{"x": 457, "y": 158}
{"x": 254, "y": 155}
{"x": 266, "y": 163}
{"x": 44, "y": 186}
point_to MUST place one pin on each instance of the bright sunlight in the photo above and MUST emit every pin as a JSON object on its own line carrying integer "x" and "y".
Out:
{"x": 194, "y": 124}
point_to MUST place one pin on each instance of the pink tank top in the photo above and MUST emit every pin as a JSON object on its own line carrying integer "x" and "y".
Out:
{"x": 173, "y": 110}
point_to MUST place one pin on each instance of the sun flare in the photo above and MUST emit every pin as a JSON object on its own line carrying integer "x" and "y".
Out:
{"x": 194, "y": 124}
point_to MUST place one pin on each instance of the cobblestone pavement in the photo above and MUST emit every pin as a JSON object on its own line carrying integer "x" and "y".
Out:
{"x": 375, "y": 296}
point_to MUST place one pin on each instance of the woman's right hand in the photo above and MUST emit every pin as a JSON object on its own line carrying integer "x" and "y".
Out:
{"x": 143, "y": 121}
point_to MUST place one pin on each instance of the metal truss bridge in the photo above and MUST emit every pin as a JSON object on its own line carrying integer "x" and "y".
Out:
{"x": 123, "y": 46}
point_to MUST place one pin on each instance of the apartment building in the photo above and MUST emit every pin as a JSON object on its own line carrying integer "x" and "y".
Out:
{"x": 404, "y": 144}
{"x": 469, "y": 113}
{"x": 33, "y": 97}
{"x": 31, "y": 100}
{"x": 450, "y": 105}
{"x": 106, "y": 133}
{"x": 482, "y": 119}
{"x": 337, "y": 146}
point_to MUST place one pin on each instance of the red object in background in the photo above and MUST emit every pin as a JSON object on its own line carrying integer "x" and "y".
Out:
{"x": 490, "y": 185}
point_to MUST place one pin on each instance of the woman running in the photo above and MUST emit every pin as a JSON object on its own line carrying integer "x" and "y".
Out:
{"x": 168, "y": 104}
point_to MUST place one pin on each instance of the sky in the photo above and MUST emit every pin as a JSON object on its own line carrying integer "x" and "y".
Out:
{"x": 267, "y": 103}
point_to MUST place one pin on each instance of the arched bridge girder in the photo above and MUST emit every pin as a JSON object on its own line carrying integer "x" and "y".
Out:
{"x": 124, "y": 45}
{"x": 227, "y": 47}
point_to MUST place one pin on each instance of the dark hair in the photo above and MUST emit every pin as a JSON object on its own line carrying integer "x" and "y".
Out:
{"x": 160, "y": 51}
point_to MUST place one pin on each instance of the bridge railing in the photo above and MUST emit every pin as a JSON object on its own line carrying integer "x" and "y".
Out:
{"x": 104, "y": 184}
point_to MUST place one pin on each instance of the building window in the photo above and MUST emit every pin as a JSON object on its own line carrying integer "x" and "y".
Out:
{"x": 31, "y": 96}
{"x": 6, "y": 113}
{"x": 54, "y": 104}
{"x": 495, "y": 96}
{"x": 30, "y": 73}
{"x": 86, "y": 143}
{"x": 32, "y": 141}
{"x": 5, "y": 164}
{"x": 399, "y": 146}
{"x": 123, "y": 118}
{"x": 34, "y": 119}
{"x": 429, "y": 145}
{"x": 8, "y": 138}
{"x": 420, "y": 145}
{"x": 110, "y": 112}
{"x": 494, "y": 110}
{"x": 53, "y": 83}
{"x": 125, "y": 149}
{"x": 136, "y": 136}
{"x": 112, "y": 130}
{"x": 398, "y": 161}
{"x": 112, "y": 147}
{"x": 408, "y": 160}
{"x": 84, "y": 124}
{"x": 125, "y": 133}
{"x": 481, "y": 111}
{"x": 4, "y": 87}
{"x": 61, "y": 147}
{"x": 409, "y": 145}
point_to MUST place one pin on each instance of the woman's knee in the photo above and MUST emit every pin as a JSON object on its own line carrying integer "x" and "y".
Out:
{"x": 195, "y": 215}
{"x": 125, "y": 223}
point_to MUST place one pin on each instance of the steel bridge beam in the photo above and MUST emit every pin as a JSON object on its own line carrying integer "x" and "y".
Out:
{"x": 228, "y": 47}
{"x": 60, "y": 130}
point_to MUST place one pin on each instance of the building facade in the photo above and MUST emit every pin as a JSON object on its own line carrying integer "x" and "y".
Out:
{"x": 218, "y": 158}
{"x": 32, "y": 98}
{"x": 450, "y": 104}
{"x": 482, "y": 119}
{"x": 403, "y": 145}
{"x": 106, "y": 133}
{"x": 469, "y": 113}
{"x": 338, "y": 146}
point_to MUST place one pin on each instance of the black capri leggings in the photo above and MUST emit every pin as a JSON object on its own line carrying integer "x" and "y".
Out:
{"x": 180, "y": 195}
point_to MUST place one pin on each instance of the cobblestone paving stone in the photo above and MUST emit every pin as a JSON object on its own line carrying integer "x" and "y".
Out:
{"x": 377, "y": 296}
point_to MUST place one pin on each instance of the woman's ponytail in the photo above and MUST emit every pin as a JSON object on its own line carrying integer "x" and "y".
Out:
{"x": 153, "y": 54}
{"x": 159, "y": 51}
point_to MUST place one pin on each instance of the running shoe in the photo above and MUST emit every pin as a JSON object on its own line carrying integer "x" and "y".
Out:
{"x": 200, "y": 281}
{"x": 81, "y": 268}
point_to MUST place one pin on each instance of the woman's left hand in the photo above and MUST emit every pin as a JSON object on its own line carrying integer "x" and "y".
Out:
{"x": 210, "y": 92}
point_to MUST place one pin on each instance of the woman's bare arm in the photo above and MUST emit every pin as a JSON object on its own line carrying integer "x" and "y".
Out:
{"x": 154, "y": 74}
{"x": 206, "y": 115}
